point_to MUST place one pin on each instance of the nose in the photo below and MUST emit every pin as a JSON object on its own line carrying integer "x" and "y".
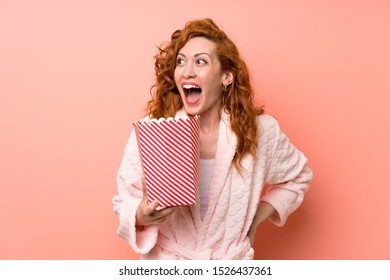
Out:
{"x": 189, "y": 72}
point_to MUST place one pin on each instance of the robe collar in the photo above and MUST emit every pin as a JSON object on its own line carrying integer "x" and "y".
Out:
{"x": 223, "y": 164}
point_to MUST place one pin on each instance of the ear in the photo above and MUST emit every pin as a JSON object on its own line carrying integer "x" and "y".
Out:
{"x": 227, "y": 78}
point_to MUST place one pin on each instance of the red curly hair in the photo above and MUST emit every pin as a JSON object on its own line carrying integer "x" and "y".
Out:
{"x": 237, "y": 101}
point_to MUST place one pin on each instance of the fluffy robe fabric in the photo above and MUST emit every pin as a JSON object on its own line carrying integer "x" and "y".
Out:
{"x": 233, "y": 199}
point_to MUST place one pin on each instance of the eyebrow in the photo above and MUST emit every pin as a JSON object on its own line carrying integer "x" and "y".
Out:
{"x": 196, "y": 55}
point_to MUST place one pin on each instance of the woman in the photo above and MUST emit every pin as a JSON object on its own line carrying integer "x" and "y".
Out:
{"x": 242, "y": 149}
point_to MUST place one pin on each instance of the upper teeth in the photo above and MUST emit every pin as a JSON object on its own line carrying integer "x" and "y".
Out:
{"x": 189, "y": 86}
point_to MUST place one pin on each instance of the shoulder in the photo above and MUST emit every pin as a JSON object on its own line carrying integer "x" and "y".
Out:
{"x": 267, "y": 124}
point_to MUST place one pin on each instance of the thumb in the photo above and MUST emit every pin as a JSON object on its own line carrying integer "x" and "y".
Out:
{"x": 144, "y": 191}
{"x": 152, "y": 206}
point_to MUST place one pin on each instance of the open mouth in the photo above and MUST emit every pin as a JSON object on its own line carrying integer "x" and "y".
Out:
{"x": 192, "y": 93}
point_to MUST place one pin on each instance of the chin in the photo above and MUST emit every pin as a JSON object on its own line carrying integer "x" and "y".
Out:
{"x": 192, "y": 111}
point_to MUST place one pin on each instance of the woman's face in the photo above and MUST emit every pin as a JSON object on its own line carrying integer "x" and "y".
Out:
{"x": 198, "y": 76}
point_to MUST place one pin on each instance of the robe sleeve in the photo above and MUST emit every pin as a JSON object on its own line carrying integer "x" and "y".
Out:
{"x": 125, "y": 203}
{"x": 288, "y": 175}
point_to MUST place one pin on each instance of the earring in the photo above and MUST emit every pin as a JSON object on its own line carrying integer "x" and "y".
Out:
{"x": 224, "y": 87}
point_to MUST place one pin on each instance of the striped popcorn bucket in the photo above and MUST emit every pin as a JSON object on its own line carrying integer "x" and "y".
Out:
{"x": 169, "y": 150}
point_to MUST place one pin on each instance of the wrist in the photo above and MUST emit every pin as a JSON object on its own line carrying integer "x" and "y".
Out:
{"x": 264, "y": 212}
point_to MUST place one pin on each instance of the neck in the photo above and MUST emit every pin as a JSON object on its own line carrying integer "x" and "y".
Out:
{"x": 209, "y": 121}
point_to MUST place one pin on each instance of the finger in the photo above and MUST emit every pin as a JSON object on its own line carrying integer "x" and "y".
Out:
{"x": 160, "y": 216}
{"x": 150, "y": 208}
{"x": 158, "y": 220}
{"x": 167, "y": 211}
{"x": 144, "y": 192}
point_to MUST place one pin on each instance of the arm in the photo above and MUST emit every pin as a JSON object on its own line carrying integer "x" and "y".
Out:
{"x": 126, "y": 202}
{"x": 288, "y": 176}
{"x": 264, "y": 212}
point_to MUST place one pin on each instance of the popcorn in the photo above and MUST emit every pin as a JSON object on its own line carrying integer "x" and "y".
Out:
{"x": 169, "y": 150}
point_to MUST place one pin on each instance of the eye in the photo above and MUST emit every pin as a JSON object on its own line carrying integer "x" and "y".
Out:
{"x": 179, "y": 61}
{"x": 201, "y": 61}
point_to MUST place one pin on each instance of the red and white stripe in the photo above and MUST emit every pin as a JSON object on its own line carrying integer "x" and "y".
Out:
{"x": 169, "y": 151}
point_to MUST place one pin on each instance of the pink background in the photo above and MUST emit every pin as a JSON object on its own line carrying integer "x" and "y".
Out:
{"x": 75, "y": 74}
